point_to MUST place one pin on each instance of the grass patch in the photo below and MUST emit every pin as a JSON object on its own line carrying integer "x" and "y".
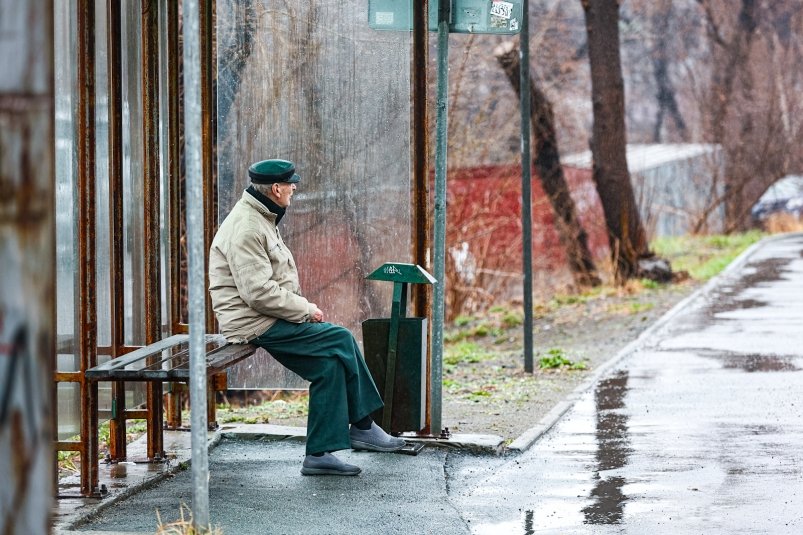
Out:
{"x": 481, "y": 331}
{"x": 556, "y": 358}
{"x": 636, "y": 308}
{"x": 478, "y": 395}
{"x": 295, "y": 406}
{"x": 568, "y": 299}
{"x": 512, "y": 319}
{"x": 633, "y": 307}
{"x": 704, "y": 256}
{"x": 465, "y": 353}
{"x": 453, "y": 337}
{"x": 650, "y": 284}
{"x": 462, "y": 321}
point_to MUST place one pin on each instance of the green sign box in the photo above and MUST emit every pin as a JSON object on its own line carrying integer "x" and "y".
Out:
{"x": 500, "y": 17}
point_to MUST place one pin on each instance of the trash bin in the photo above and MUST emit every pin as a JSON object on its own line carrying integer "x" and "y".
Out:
{"x": 396, "y": 352}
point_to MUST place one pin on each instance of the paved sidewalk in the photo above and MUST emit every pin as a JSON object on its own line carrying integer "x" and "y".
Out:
{"x": 698, "y": 430}
{"x": 694, "y": 428}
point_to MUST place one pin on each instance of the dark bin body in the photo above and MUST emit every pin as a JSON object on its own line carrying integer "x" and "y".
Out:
{"x": 409, "y": 393}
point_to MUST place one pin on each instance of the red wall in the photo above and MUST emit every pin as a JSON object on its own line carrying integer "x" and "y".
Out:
{"x": 484, "y": 209}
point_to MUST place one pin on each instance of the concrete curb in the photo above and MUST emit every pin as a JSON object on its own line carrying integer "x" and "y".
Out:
{"x": 80, "y": 517}
{"x": 532, "y": 435}
{"x": 475, "y": 443}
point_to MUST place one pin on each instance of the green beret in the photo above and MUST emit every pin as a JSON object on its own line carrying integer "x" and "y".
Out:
{"x": 272, "y": 171}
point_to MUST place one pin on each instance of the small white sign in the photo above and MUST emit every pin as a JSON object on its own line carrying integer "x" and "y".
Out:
{"x": 384, "y": 18}
{"x": 502, "y": 9}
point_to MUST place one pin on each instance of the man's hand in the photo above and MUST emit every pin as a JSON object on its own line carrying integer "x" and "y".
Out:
{"x": 317, "y": 316}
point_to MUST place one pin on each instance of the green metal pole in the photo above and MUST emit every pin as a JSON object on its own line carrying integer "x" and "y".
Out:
{"x": 441, "y": 137}
{"x": 393, "y": 344}
{"x": 526, "y": 195}
{"x": 441, "y": 131}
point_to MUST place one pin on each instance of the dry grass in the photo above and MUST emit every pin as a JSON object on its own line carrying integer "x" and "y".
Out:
{"x": 184, "y": 526}
{"x": 777, "y": 223}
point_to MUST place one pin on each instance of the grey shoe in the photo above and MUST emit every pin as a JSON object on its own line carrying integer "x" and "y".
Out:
{"x": 374, "y": 439}
{"x": 327, "y": 465}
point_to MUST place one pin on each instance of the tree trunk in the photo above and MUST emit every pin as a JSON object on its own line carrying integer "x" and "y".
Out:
{"x": 665, "y": 94}
{"x": 547, "y": 162}
{"x": 626, "y": 234}
{"x": 732, "y": 125}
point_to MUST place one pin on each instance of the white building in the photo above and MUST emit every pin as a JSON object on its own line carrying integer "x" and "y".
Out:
{"x": 678, "y": 187}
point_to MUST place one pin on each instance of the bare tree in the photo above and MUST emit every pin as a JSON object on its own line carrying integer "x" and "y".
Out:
{"x": 665, "y": 90}
{"x": 753, "y": 48}
{"x": 547, "y": 162}
{"x": 626, "y": 233}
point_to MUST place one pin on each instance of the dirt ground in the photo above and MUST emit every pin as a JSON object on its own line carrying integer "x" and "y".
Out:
{"x": 495, "y": 395}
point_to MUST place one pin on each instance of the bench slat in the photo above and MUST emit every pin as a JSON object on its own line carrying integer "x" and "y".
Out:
{"x": 115, "y": 369}
{"x": 173, "y": 366}
{"x": 227, "y": 356}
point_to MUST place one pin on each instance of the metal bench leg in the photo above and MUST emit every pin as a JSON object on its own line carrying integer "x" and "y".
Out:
{"x": 117, "y": 427}
{"x": 155, "y": 422}
{"x": 174, "y": 391}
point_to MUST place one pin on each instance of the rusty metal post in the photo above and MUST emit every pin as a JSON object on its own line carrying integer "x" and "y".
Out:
{"x": 87, "y": 270}
{"x": 150, "y": 172}
{"x": 117, "y": 430}
{"x": 421, "y": 215}
{"x": 27, "y": 264}
{"x": 208, "y": 132}
{"x": 173, "y": 164}
{"x": 195, "y": 181}
{"x": 171, "y": 140}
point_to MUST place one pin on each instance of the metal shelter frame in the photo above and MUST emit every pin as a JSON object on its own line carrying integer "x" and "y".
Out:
{"x": 160, "y": 71}
{"x": 86, "y": 346}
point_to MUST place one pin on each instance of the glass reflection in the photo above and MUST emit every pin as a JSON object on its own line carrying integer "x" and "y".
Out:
{"x": 612, "y": 452}
{"x": 66, "y": 360}
{"x": 310, "y": 82}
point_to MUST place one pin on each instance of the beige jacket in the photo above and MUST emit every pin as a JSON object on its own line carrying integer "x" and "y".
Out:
{"x": 253, "y": 279}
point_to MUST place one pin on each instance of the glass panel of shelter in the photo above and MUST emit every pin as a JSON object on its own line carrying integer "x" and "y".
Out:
{"x": 312, "y": 83}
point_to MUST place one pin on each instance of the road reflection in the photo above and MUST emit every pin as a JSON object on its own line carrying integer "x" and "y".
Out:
{"x": 613, "y": 449}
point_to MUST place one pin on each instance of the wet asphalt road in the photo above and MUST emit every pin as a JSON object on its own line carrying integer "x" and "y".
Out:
{"x": 699, "y": 430}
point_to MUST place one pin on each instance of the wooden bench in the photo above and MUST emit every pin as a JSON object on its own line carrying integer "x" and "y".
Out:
{"x": 168, "y": 361}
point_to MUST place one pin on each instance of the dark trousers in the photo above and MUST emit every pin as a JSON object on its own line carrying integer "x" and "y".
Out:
{"x": 341, "y": 389}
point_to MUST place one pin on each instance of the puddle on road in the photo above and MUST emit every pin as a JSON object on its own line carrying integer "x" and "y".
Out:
{"x": 613, "y": 450}
{"x": 528, "y": 523}
{"x": 726, "y": 298}
{"x": 761, "y": 363}
{"x": 752, "y": 363}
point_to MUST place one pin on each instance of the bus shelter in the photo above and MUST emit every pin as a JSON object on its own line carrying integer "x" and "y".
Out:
{"x": 309, "y": 82}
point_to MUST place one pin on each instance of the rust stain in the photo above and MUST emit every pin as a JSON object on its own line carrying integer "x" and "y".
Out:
{"x": 24, "y": 103}
{"x": 21, "y": 462}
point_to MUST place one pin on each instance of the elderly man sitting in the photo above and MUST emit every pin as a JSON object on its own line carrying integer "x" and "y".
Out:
{"x": 256, "y": 297}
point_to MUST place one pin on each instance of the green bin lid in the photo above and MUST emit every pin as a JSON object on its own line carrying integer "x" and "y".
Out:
{"x": 400, "y": 272}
